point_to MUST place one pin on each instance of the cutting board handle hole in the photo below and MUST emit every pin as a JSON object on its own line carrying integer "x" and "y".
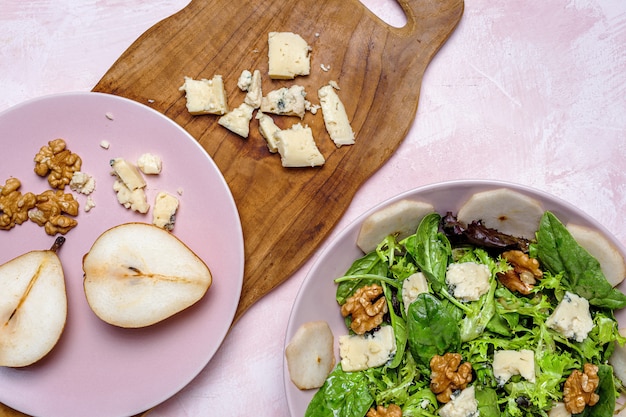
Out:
{"x": 389, "y": 11}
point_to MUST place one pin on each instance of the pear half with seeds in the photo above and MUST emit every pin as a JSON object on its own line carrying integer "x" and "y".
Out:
{"x": 137, "y": 274}
{"x": 33, "y": 306}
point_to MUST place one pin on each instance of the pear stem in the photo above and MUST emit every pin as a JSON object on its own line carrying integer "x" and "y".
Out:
{"x": 59, "y": 241}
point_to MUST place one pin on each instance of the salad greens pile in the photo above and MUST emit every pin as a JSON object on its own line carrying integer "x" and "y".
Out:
{"x": 436, "y": 323}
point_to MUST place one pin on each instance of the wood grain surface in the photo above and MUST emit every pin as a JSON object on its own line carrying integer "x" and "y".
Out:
{"x": 287, "y": 213}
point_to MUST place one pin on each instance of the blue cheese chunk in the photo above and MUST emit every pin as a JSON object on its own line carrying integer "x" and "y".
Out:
{"x": 285, "y": 101}
{"x": 135, "y": 200}
{"x": 571, "y": 317}
{"x": 335, "y": 117}
{"x": 468, "y": 280}
{"x": 164, "y": 213}
{"x": 413, "y": 286}
{"x": 82, "y": 182}
{"x": 238, "y": 120}
{"x": 268, "y": 130}
{"x": 462, "y": 405}
{"x": 251, "y": 83}
{"x": 149, "y": 164}
{"x": 205, "y": 96}
{"x": 360, "y": 352}
{"x": 297, "y": 147}
{"x": 507, "y": 363}
{"x": 127, "y": 173}
{"x": 288, "y": 55}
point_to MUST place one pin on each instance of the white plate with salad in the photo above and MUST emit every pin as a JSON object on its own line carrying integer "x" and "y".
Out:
{"x": 520, "y": 318}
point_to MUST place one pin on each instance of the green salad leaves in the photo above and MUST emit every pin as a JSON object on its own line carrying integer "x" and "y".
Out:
{"x": 436, "y": 323}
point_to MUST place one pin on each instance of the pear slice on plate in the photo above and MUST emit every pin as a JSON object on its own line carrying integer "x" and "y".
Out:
{"x": 611, "y": 260}
{"x": 505, "y": 210}
{"x": 137, "y": 274}
{"x": 33, "y": 306}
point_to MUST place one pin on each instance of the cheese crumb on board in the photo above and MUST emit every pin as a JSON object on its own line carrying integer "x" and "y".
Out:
{"x": 268, "y": 129}
{"x": 335, "y": 116}
{"x": 288, "y": 55}
{"x": 164, "y": 213}
{"x": 149, "y": 164}
{"x": 251, "y": 83}
{"x": 205, "y": 96}
{"x": 238, "y": 120}
{"x": 285, "y": 101}
{"x": 297, "y": 147}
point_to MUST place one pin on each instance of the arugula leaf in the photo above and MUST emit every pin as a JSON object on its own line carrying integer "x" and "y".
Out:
{"x": 344, "y": 394}
{"x": 432, "y": 330}
{"x": 558, "y": 251}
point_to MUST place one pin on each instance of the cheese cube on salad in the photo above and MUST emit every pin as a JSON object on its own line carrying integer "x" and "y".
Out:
{"x": 507, "y": 363}
{"x": 469, "y": 280}
{"x": 571, "y": 317}
{"x": 462, "y": 405}
{"x": 360, "y": 352}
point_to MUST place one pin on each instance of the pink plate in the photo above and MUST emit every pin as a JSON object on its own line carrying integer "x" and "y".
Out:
{"x": 97, "y": 369}
{"x": 316, "y": 297}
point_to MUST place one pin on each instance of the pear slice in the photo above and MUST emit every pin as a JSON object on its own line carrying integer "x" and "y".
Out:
{"x": 505, "y": 210}
{"x": 401, "y": 218}
{"x": 611, "y": 260}
{"x": 33, "y": 306}
{"x": 137, "y": 274}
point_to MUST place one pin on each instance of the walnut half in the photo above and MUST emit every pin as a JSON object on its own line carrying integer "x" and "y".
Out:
{"x": 524, "y": 274}
{"x": 57, "y": 162}
{"x": 51, "y": 211}
{"x": 449, "y": 375}
{"x": 579, "y": 389}
{"x": 367, "y": 306}
{"x": 14, "y": 205}
{"x": 392, "y": 411}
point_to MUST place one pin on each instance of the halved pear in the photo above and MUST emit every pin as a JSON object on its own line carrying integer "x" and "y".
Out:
{"x": 33, "y": 306}
{"x": 505, "y": 210}
{"x": 611, "y": 260}
{"x": 137, "y": 274}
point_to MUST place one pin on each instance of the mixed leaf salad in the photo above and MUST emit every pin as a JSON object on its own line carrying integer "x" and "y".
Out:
{"x": 436, "y": 323}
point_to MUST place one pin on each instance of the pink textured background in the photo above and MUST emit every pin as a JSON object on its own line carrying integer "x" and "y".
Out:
{"x": 528, "y": 92}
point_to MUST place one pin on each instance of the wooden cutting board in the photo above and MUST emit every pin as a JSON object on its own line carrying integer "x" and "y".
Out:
{"x": 287, "y": 213}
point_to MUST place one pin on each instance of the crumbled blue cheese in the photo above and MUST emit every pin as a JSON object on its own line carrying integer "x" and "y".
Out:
{"x": 135, "y": 200}
{"x": 205, "y": 96}
{"x": 413, "y": 286}
{"x": 149, "y": 164}
{"x": 335, "y": 116}
{"x": 571, "y": 317}
{"x": 288, "y": 55}
{"x": 469, "y": 280}
{"x": 268, "y": 129}
{"x": 127, "y": 173}
{"x": 89, "y": 204}
{"x": 238, "y": 120}
{"x": 359, "y": 352}
{"x": 507, "y": 363}
{"x": 164, "y": 213}
{"x": 285, "y": 101}
{"x": 297, "y": 147}
{"x": 462, "y": 405}
{"x": 82, "y": 182}
{"x": 251, "y": 83}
